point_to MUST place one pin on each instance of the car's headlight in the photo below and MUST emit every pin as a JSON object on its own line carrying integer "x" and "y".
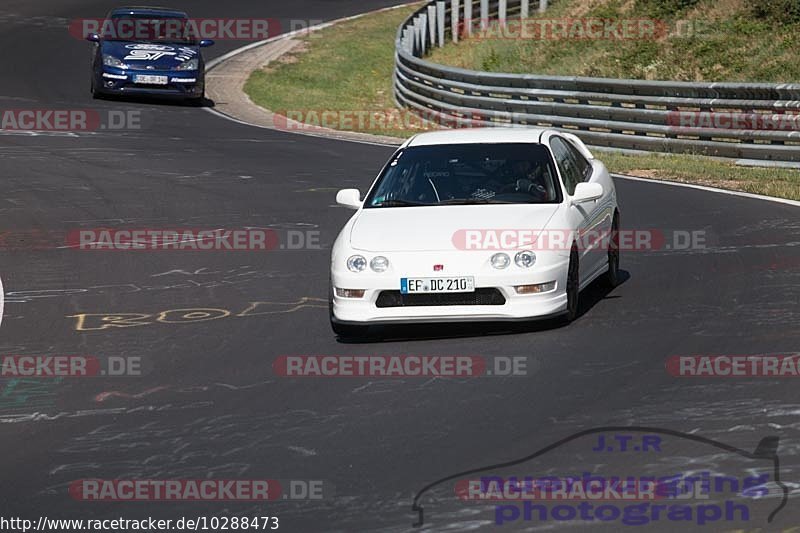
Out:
{"x": 111, "y": 61}
{"x": 192, "y": 64}
{"x": 525, "y": 259}
{"x": 500, "y": 261}
{"x": 356, "y": 263}
{"x": 379, "y": 264}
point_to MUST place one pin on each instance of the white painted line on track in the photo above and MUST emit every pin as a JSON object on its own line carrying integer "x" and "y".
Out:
{"x": 233, "y": 53}
{"x": 741, "y": 194}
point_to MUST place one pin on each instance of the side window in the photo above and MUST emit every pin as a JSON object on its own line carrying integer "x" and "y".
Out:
{"x": 567, "y": 164}
{"x": 583, "y": 165}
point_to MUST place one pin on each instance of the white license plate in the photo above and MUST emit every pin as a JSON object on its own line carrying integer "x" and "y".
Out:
{"x": 150, "y": 80}
{"x": 433, "y": 285}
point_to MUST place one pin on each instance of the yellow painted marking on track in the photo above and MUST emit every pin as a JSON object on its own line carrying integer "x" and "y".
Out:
{"x": 101, "y": 321}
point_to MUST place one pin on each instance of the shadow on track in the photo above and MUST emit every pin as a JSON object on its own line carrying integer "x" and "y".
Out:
{"x": 156, "y": 100}
{"x": 590, "y": 296}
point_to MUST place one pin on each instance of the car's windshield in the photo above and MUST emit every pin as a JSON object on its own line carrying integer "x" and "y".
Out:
{"x": 149, "y": 28}
{"x": 462, "y": 174}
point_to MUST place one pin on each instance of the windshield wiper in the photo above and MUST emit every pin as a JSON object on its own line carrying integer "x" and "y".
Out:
{"x": 397, "y": 203}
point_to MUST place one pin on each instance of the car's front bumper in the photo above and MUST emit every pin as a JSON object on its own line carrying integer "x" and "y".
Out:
{"x": 516, "y": 307}
{"x": 181, "y": 83}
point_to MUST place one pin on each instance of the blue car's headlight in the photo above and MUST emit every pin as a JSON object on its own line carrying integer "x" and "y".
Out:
{"x": 192, "y": 64}
{"x": 111, "y": 61}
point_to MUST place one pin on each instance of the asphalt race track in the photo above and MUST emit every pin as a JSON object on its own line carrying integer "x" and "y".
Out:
{"x": 210, "y": 405}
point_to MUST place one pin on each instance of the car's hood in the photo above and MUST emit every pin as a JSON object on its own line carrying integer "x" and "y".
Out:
{"x": 396, "y": 229}
{"x": 144, "y": 56}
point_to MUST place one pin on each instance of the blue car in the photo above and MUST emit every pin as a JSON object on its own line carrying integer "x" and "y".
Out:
{"x": 148, "y": 51}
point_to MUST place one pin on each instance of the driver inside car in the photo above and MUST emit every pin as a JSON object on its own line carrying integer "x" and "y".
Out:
{"x": 522, "y": 176}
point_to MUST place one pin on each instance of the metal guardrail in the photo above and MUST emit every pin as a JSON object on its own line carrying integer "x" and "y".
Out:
{"x": 660, "y": 116}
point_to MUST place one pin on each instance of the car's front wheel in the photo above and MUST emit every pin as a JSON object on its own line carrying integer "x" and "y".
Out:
{"x": 573, "y": 285}
{"x": 95, "y": 93}
{"x": 611, "y": 277}
{"x": 198, "y": 101}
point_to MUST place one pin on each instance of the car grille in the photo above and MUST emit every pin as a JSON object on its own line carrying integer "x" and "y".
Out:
{"x": 479, "y": 297}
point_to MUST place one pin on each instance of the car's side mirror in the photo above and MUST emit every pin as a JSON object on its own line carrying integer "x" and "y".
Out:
{"x": 586, "y": 192}
{"x": 93, "y": 37}
{"x": 206, "y": 43}
{"x": 349, "y": 198}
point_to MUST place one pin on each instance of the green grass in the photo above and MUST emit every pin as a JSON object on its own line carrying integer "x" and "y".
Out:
{"x": 702, "y": 40}
{"x": 346, "y": 68}
{"x": 779, "y": 182}
{"x": 349, "y": 68}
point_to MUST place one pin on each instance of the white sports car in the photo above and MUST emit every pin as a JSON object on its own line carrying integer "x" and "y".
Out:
{"x": 475, "y": 224}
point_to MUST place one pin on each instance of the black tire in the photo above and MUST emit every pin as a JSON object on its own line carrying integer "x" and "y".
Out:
{"x": 612, "y": 278}
{"x": 198, "y": 101}
{"x": 573, "y": 285}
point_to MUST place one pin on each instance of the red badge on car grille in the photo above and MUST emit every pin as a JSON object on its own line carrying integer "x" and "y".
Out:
{"x": 438, "y": 268}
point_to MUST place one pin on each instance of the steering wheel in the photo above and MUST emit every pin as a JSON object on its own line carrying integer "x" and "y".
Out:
{"x": 531, "y": 187}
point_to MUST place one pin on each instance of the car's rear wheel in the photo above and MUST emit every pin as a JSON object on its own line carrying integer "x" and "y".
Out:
{"x": 611, "y": 277}
{"x": 573, "y": 285}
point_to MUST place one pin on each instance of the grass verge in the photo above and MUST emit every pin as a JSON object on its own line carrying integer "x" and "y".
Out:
{"x": 778, "y": 182}
{"x": 348, "y": 68}
{"x": 686, "y": 40}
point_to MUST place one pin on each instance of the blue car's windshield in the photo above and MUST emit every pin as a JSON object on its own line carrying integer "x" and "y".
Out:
{"x": 148, "y": 29}
{"x": 516, "y": 173}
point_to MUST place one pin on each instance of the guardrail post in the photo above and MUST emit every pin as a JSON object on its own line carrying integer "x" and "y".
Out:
{"x": 542, "y": 6}
{"x": 468, "y": 17}
{"x": 502, "y": 8}
{"x": 524, "y": 9}
{"x": 415, "y": 29}
{"x": 454, "y": 20}
{"x": 440, "y": 21}
{"x": 432, "y": 23}
{"x": 423, "y": 34}
{"x": 484, "y": 14}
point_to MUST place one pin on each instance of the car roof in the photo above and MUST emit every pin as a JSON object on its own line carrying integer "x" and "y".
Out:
{"x": 148, "y": 11}
{"x": 478, "y": 135}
